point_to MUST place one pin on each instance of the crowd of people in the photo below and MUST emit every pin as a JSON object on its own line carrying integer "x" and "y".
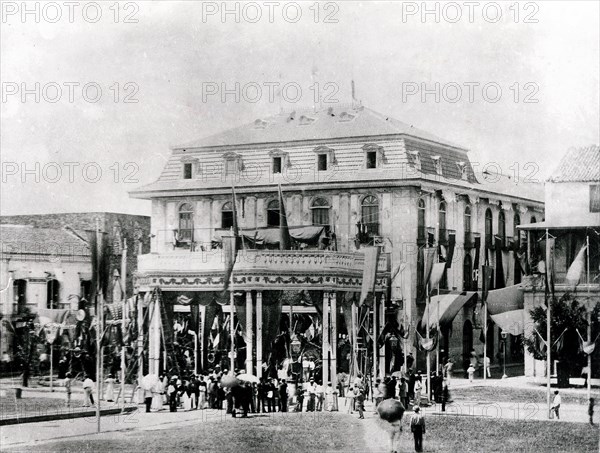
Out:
{"x": 214, "y": 390}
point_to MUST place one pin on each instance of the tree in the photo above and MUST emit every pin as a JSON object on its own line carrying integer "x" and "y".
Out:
{"x": 568, "y": 322}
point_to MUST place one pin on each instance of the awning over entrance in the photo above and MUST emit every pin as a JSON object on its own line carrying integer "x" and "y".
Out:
{"x": 309, "y": 235}
{"x": 542, "y": 226}
{"x": 449, "y": 306}
{"x": 506, "y": 307}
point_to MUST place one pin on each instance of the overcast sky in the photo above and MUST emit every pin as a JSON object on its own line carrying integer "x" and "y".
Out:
{"x": 170, "y": 52}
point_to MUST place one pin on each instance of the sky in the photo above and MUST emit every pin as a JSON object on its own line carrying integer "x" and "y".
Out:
{"x": 118, "y": 84}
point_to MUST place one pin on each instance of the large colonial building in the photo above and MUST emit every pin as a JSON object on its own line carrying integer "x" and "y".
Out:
{"x": 350, "y": 178}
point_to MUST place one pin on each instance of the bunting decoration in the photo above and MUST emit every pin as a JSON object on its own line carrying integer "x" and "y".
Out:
{"x": 429, "y": 255}
{"x": 396, "y": 279}
{"x": 426, "y": 344}
{"x": 550, "y": 243}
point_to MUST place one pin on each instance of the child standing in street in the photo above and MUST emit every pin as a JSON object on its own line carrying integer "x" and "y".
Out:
{"x": 68, "y": 385}
{"x": 591, "y": 411}
{"x": 471, "y": 372}
{"x": 555, "y": 406}
{"x": 360, "y": 403}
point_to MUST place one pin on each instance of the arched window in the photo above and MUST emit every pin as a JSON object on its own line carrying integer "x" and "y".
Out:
{"x": 370, "y": 214}
{"x": 52, "y": 293}
{"x": 467, "y": 272}
{"x": 227, "y": 215}
{"x": 273, "y": 213}
{"x": 488, "y": 228}
{"x": 467, "y": 225}
{"x": 533, "y": 219}
{"x": 421, "y": 235}
{"x": 502, "y": 227}
{"x": 320, "y": 212}
{"x": 442, "y": 231}
{"x": 20, "y": 295}
{"x": 186, "y": 222}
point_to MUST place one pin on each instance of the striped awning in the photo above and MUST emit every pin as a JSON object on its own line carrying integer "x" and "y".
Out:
{"x": 445, "y": 307}
{"x": 506, "y": 307}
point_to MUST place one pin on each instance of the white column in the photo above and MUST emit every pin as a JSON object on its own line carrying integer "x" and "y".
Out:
{"x": 154, "y": 341}
{"x": 325, "y": 350}
{"x": 259, "y": 333}
{"x": 333, "y": 371}
{"x": 380, "y": 327}
{"x": 249, "y": 335}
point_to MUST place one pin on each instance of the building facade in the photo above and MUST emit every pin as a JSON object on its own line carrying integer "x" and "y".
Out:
{"x": 573, "y": 220}
{"x": 369, "y": 180}
{"x": 46, "y": 261}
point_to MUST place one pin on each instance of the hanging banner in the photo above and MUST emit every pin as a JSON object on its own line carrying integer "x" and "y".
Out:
{"x": 369, "y": 272}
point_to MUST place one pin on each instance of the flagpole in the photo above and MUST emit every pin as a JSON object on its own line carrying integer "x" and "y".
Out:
{"x": 99, "y": 309}
{"x": 124, "y": 298}
{"x": 427, "y": 337}
{"x": 231, "y": 310}
{"x": 589, "y": 320}
{"x": 548, "y": 343}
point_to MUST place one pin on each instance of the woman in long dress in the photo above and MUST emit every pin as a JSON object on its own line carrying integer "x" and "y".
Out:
{"x": 186, "y": 399}
{"x": 110, "y": 388}
{"x": 157, "y": 396}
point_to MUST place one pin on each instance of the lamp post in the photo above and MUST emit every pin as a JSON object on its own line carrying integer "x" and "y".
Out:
{"x": 504, "y": 335}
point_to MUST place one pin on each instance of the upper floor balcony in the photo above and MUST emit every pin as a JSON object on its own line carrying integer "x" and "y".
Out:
{"x": 273, "y": 261}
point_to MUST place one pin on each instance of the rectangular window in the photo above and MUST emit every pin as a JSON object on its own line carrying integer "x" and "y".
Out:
{"x": 371, "y": 159}
{"x": 595, "y": 198}
{"x": 322, "y": 162}
{"x": 231, "y": 166}
{"x": 187, "y": 171}
{"x": 276, "y": 165}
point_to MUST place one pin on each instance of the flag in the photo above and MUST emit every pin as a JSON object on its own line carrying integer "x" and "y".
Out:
{"x": 437, "y": 273}
{"x": 230, "y": 245}
{"x": 523, "y": 264}
{"x": 576, "y": 268}
{"x": 451, "y": 244}
{"x": 397, "y": 282}
{"x": 475, "y": 280}
{"x": 487, "y": 273}
{"x": 214, "y": 333}
{"x": 550, "y": 264}
{"x": 429, "y": 255}
{"x": 285, "y": 242}
{"x": 499, "y": 267}
{"x": 369, "y": 272}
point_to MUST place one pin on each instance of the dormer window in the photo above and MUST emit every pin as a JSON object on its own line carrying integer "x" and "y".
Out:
{"x": 306, "y": 120}
{"x": 322, "y": 162}
{"x": 415, "y": 158}
{"x": 325, "y": 158}
{"x": 189, "y": 165}
{"x": 232, "y": 163}
{"x": 462, "y": 170}
{"x": 345, "y": 116}
{"x": 374, "y": 156}
{"x": 437, "y": 164}
{"x": 260, "y": 124}
{"x": 279, "y": 160}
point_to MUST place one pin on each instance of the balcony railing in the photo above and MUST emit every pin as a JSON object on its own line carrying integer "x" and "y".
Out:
{"x": 256, "y": 260}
